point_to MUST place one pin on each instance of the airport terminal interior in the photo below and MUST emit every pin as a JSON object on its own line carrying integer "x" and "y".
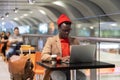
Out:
{"x": 93, "y": 22}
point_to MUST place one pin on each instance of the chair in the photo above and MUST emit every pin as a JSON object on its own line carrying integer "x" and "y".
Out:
{"x": 1, "y": 45}
{"x": 1, "y": 54}
{"x": 39, "y": 71}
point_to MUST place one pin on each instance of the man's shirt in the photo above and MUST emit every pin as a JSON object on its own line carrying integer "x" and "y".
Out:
{"x": 65, "y": 47}
{"x": 13, "y": 37}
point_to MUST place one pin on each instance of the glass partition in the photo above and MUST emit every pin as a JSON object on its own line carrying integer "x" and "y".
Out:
{"x": 104, "y": 26}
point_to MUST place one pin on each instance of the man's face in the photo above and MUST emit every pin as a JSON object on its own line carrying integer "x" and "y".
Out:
{"x": 64, "y": 30}
{"x": 16, "y": 31}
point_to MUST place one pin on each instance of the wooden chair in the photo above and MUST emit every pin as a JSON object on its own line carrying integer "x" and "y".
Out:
{"x": 1, "y": 53}
{"x": 1, "y": 45}
{"x": 39, "y": 71}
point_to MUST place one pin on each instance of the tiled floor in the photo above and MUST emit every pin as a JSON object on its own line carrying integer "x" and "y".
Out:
{"x": 4, "y": 73}
{"x": 111, "y": 58}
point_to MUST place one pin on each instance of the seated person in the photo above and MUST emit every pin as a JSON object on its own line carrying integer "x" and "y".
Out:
{"x": 15, "y": 41}
{"x": 4, "y": 40}
{"x": 60, "y": 45}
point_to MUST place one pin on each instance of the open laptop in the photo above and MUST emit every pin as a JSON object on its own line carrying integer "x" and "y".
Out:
{"x": 82, "y": 53}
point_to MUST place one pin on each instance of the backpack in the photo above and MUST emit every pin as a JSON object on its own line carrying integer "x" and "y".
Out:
{"x": 21, "y": 65}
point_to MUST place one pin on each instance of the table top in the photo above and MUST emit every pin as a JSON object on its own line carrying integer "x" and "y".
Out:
{"x": 88, "y": 65}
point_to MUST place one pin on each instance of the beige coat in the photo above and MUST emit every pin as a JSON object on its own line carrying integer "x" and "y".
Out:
{"x": 53, "y": 46}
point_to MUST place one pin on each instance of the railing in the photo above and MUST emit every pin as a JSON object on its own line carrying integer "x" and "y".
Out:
{"x": 33, "y": 39}
{"x": 89, "y": 39}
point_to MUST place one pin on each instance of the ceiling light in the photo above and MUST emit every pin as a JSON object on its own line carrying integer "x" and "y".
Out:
{"x": 2, "y": 17}
{"x": 25, "y": 14}
{"x": 113, "y": 24}
{"x": 3, "y": 23}
{"x": 43, "y": 12}
{"x": 7, "y": 14}
{"x": 16, "y": 19}
{"x": 15, "y": 10}
{"x": 91, "y": 27}
{"x": 31, "y": 1}
{"x": 59, "y": 3}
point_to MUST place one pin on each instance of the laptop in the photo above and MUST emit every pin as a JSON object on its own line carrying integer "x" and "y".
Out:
{"x": 82, "y": 53}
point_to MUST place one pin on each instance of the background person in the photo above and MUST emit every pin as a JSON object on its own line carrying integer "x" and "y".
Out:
{"x": 15, "y": 41}
{"x": 8, "y": 34}
{"x": 60, "y": 45}
{"x": 20, "y": 67}
{"x": 4, "y": 40}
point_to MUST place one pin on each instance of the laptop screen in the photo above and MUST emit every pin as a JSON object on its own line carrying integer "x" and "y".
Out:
{"x": 82, "y": 53}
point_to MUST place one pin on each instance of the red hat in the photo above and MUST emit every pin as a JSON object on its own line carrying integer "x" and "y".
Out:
{"x": 63, "y": 18}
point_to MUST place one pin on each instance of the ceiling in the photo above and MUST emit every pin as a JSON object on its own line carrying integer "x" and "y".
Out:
{"x": 49, "y": 10}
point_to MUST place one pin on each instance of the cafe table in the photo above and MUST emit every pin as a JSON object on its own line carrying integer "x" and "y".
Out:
{"x": 73, "y": 67}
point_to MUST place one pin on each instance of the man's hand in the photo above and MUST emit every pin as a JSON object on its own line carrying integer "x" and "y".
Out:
{"x": 67, "y": 58}
{"x": 14, "y": 41}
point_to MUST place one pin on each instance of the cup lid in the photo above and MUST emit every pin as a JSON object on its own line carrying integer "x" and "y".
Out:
{"x": 53, "y": 55}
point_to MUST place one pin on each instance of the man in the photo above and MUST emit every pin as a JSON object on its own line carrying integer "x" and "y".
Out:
{"x": 60, "y": 45}
{"x": 15, "y": 41}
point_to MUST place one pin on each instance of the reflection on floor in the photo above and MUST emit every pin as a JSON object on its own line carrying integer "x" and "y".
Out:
{"x": 106, "y": 74}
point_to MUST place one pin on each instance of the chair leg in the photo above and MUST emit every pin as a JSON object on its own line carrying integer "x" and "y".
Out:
{"x": 38, "y": 77}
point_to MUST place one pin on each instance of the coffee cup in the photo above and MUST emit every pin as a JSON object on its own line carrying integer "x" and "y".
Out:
{"x": 53, "y": 59}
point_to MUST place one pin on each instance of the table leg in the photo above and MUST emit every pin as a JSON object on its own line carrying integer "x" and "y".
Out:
{"x": 73, "y": 74}
{"x": 93, "y": 74}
